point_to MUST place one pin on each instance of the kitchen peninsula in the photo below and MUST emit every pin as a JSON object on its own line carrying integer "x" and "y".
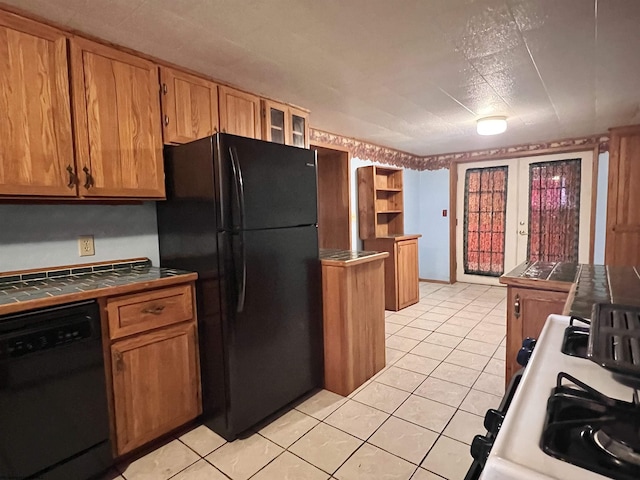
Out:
{"x": 353, "y": 317}
{"x": 537, "y": 289}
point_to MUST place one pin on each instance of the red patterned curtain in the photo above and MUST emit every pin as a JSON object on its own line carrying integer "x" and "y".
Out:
{"x": 485, "y": 203}
{"x": 554, "y": 211}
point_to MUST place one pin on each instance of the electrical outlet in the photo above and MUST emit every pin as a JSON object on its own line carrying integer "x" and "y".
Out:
{"x": 86, "y": 246}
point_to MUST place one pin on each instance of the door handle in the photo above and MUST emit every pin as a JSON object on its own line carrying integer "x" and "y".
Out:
{"x": 73, "y": 178}
{"x": 89, "y": 178}
{"x": 237, "y": 174}
{"x": 516, "y": 306}
{"x": 523, "y": 232}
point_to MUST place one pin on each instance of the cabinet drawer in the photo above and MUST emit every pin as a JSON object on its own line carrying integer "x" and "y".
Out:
{"x": 139, "y": 312}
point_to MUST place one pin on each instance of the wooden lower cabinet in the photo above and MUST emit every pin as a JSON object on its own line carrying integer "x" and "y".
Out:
{"x": 527, "y": 311}
{"x": 401, "y": 269}
{"x": 155, "y": 376}
{"x": 353, "y": 322}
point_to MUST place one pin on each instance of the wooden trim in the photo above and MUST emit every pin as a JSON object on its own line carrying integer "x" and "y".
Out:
{"x": 453, "y": 212}
{"x": 95, "y": 294}
{"x": 29, "y": 25}
{"x": 329, "y": 146}
{"x": 356, "y": 261}
{"x": 431, "y": 280}
{"x": 338, "y": 149}
{"x": 594, "y": 202}
{"x": 531, "y": 153}
{"x": 69, "y": 267}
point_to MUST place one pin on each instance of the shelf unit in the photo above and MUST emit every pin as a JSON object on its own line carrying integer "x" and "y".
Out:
{"x": 380, "y": 203}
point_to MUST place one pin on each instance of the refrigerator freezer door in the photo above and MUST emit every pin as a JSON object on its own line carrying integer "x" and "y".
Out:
{"x": 275, "y": 342}
{"x": 267, "y": 185}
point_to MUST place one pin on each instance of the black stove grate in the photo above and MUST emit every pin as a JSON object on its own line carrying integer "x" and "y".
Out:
{"x": 576, "y": 338}
{"x": 614, "y": 341}
{"x": 575, "y": 414}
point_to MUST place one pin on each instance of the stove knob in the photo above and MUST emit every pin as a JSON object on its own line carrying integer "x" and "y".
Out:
{"x": 523, "y": 356}
{"x": 480, "y": 448}
{"x": 493, "y": 420}
{"x": 529, "y": 343}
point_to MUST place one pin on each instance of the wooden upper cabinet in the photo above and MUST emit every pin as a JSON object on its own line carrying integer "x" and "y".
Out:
{"x": 299, "y": 127}
{"x": 239, "y": 113}
{"x": 117, "y": 122}
{"x": 275, "y": 125}
{"x": 189, "y": 106}
{"x": 36, "y": 149}
{"x": 285, "y": 124}
{"x": 623, "y": 197}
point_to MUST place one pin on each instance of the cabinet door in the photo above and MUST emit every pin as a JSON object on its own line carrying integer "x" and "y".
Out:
{"x": 36, "y": 151}
{"x": 623, "y": 197}
{"x": 275, "y": 122}
{"x": 239, "y": 113}
{"x": 156, "y": 384}
{"x": 298, "y": 128}
{"x": 408, "y": 289}
{"x": 527, "y": 311}
{"x": 189, "y": 106}
{"x": 117, "y": 122}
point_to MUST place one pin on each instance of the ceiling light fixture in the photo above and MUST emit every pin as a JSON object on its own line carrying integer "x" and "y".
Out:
{"x": 492, "y": 125}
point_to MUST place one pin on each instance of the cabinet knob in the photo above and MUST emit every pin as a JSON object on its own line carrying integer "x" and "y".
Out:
{"x": 166, "y": 120}
{"x": 88, "y": 178}
{"x": 73, "y": 178}
{"x": 516, "y": 306}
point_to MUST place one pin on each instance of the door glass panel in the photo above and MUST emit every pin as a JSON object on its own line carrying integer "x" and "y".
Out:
{"x": 484, "y": 220}
{"x": 277, "y": 125}
{"x": 554, "y": 211}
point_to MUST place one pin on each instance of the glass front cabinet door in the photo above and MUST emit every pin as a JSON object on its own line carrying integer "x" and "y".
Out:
{"x": 284, "y": 124}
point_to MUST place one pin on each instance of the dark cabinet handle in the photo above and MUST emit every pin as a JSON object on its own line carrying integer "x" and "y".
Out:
{"x": 516, "y": 306}
{"x": 119, "y": 362}
{"x": 154, "y": 310}
{"x": 164, "y": 88}
{"x": 89, "y": 179}
{"x": 166, "y": 120}
{"x": 73, "y": 178}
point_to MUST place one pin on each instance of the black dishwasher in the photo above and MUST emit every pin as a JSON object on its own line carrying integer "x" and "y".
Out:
{"x": 53, "y": 403}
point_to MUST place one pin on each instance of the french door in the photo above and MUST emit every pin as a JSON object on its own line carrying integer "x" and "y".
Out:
{"x": 531, "y": 208}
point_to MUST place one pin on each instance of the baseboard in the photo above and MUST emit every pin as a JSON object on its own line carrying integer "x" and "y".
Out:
{"x": 429, "y": 280}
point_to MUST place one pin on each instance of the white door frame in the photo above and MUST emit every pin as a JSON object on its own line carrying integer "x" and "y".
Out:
{"x": 515, "y": 244}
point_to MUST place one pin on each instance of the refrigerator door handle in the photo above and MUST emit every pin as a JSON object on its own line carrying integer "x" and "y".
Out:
{"x": 237, "y": 175}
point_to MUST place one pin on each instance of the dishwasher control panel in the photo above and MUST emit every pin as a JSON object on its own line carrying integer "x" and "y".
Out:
{"x": 44, "y": 339}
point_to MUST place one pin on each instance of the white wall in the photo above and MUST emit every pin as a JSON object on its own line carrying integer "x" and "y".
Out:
{"x": 34, "y": 236}
{"x": 601, "y": 208}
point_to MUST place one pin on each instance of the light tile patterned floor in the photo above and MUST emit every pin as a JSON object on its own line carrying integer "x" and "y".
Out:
{"x": 414, "y": 420}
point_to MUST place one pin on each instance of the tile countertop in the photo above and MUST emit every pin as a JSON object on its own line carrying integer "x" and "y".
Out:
{"x": 343, "y": 258}
{"x": 587, "y": 284}
{"x": 20, "y": 292}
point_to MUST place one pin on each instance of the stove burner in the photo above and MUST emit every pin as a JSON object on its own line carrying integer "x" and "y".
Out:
{"x": 615, "y": 448}
{"x": 576, "y": 338}
{"x": 590, "y": 430}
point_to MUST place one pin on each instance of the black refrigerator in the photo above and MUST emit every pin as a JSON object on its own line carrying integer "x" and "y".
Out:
{"x": 242, "y": 213}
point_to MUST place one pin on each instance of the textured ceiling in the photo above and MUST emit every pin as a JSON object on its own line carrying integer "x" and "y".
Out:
{"x": 408, "y": 74}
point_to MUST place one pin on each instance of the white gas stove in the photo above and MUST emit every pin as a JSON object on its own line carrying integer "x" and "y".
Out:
{"x": 517, "y": 452}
